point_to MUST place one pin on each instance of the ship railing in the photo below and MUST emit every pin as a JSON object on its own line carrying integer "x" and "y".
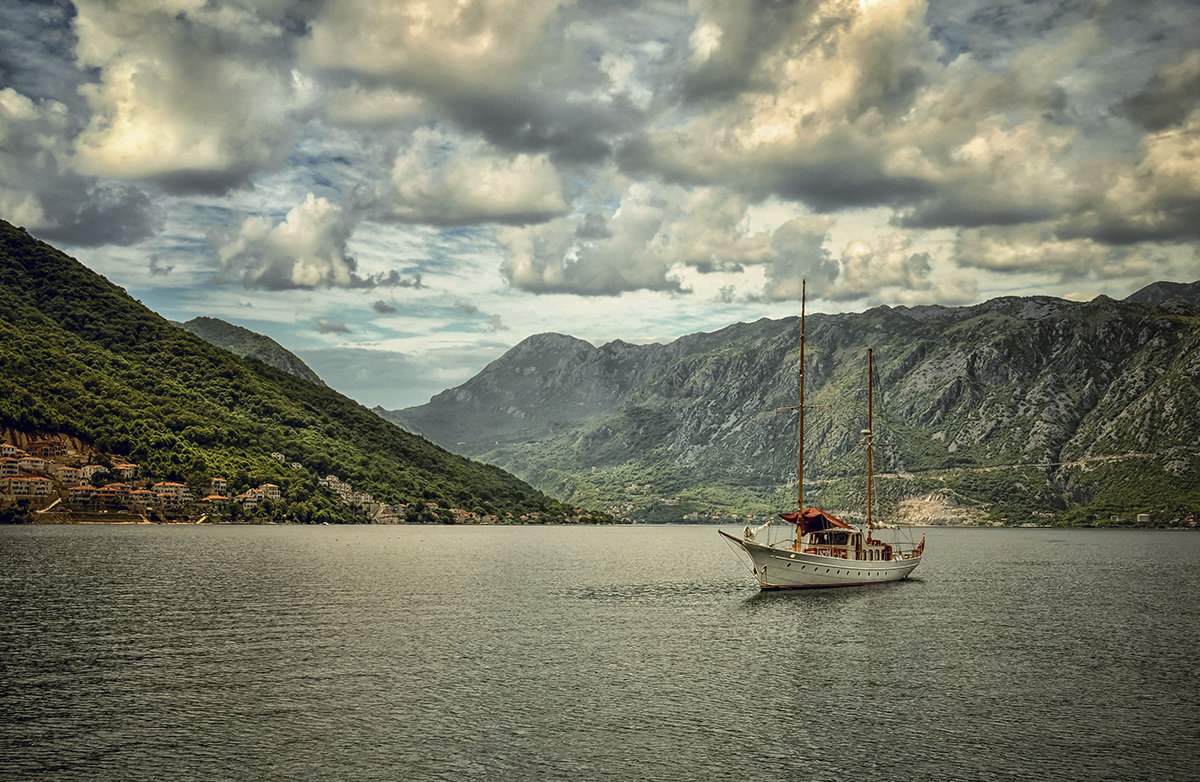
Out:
{"x": 827, "y": 552}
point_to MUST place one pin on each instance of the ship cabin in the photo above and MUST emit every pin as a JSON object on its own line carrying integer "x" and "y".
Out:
{"x": 846, "y": 544}
{"x": 825, "y": 534}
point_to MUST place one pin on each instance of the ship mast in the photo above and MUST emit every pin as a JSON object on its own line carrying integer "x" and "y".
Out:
{"x": 800, "y": 429}
{"x": 870, "y": 430}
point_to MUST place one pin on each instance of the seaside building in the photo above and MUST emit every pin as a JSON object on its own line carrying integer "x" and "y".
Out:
{"x": 81, "y": 493}
{"x": 47, "y": 449}
{"x": 21, "y": 487}
{"x": 126, "y": 470}
{"x": 33, "y": 464}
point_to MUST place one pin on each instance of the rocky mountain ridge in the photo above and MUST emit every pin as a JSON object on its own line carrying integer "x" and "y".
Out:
{"x": 1090, "y": 408}
{"x": 250, "y": 344}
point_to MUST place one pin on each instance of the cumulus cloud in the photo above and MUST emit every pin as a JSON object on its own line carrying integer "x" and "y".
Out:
{"x": 830, "y": 83}
{"x": 1156, "y": 199}
{"x": 522, "y": 74}
{"x": 40, "y": 191}
{"x": 651, "y": 234}
{"x": 193, "y": 96}
{"x": 891, "y": 262}
{"x": 437, "y": 46}
{"x": 1036, "y": 248}
{"x": 614, "y": 147}
{"x": 306, "y": 250}
{"x": 452, "y": 181}
{"x": 858, "y": 107}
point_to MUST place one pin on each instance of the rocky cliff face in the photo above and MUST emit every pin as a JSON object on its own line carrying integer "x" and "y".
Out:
{"x": 1074, "y": 392}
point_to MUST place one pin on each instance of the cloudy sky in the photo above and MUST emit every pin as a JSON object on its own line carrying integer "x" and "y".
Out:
{"x": 398, "y": 191}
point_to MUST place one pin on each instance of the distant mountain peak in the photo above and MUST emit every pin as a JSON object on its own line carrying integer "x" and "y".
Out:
{"x": 1163, "y": 292}
{"x": 250, "y": 344}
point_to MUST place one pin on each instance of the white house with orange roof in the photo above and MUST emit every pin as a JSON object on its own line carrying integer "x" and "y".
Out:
{"x": 126, "y": 470}
{"x": 33, "y": 464}
{"x": 81, "y": 493}
{"x": 218, "y": 486}
{"x": 169, "y": 487}
{"x": 270, "y": 491}
{"x": 10, "y": 451}
{"x": 69, "y": 476}
{"x": 113, "y": 491}
{"x": 27, "y": 487}
{"x": 9, "y": 468}
{"x": 250, "y": 499}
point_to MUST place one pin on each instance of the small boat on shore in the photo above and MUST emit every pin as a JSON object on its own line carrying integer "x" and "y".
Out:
{"x": 826, "y": 551}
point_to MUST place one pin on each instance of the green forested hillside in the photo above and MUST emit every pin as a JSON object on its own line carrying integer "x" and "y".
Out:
{"x": 78, "y": 356}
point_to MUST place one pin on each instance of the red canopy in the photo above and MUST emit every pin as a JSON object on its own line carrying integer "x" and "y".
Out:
{"x": 814, "y": 520}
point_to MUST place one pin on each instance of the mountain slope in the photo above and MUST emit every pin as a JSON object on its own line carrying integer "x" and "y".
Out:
{"x": 658, "y": 431}
{"x": 249, "y": 344}
{"x": 79, "y": 357}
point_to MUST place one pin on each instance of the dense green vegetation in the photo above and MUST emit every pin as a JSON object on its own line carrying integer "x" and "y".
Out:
{"x": 78, "y": 356}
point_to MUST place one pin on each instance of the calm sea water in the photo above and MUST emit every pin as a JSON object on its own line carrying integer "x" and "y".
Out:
{"x": 412, "y": 653}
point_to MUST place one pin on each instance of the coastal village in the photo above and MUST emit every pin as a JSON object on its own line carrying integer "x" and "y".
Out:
{"x": 57, "y": 483}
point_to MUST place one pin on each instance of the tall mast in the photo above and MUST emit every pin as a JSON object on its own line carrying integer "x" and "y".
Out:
{"x": 870, "y": 431}
{"x": 800, "y": 429}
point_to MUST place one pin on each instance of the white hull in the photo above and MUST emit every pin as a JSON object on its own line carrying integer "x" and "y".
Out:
{"x": 783, "y": 568}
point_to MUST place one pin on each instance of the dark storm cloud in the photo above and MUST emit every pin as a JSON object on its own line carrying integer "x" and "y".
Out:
{"x": 81, "y": 212}
{"x": 750, "y": 31}
{"x": 527, "y": 123}
{"x": 158, "y": 268}
{"x": 383, "y": 308}
{"x": 37, "y": 50}
{"x": 1172, "y": 94}
{"x": 991, "y": 30}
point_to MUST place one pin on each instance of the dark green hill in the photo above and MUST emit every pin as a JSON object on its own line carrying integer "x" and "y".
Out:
{"x": 249, "y": 344}
{"x": 1026, "y": 409}
{"x": 79, "y": 357}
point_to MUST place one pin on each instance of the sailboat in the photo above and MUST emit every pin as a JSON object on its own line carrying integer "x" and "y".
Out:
{"x": 826, "y": 551}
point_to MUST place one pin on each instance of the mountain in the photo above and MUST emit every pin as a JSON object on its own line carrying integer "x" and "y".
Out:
{"x": 1019, "y": 408}
{"x": 85, "y": 363}
{"x": 249, "y": 344}
{"x": 1168, "y": 293}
